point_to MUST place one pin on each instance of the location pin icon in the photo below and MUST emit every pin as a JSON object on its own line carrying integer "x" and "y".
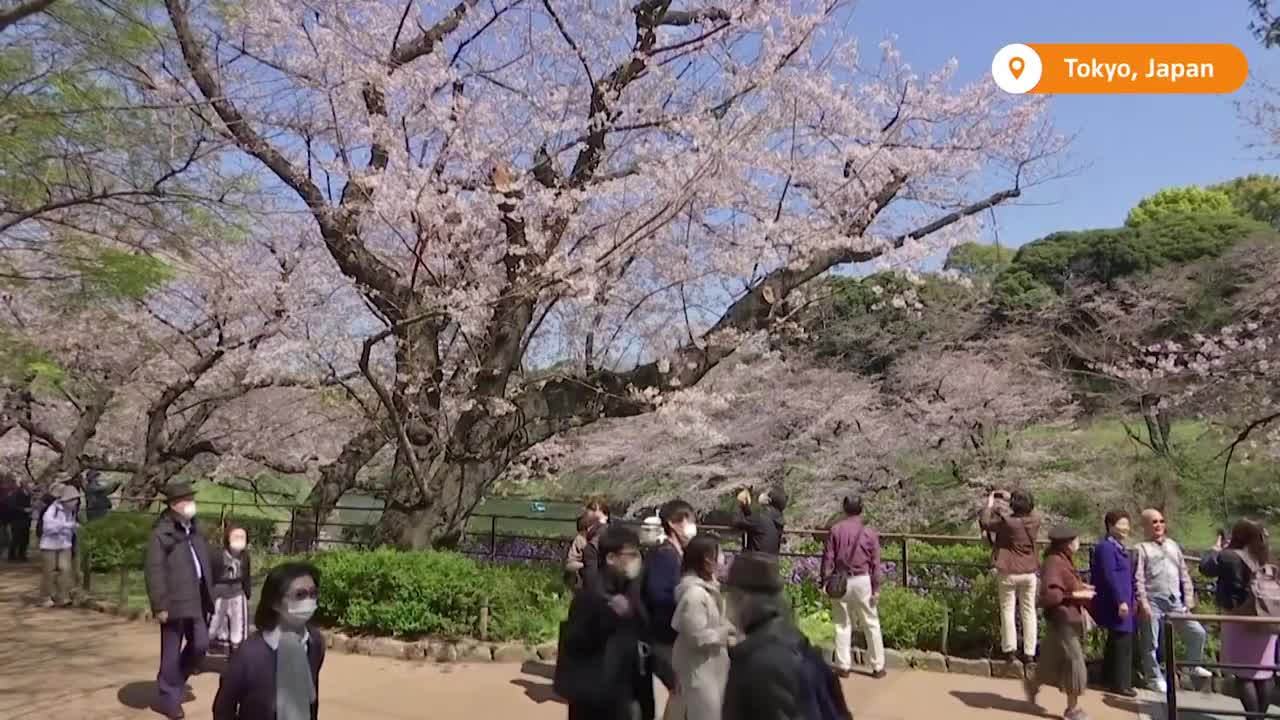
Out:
{"x": 1016, "y": 66}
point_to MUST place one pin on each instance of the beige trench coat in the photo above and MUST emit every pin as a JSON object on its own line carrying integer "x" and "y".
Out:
{"x": 700, "y": 655}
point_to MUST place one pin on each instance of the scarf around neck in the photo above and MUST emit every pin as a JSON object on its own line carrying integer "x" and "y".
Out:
{"x": 295, "y": 688}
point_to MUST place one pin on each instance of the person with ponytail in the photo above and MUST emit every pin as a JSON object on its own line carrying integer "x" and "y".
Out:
{"x": 276, "y": 673}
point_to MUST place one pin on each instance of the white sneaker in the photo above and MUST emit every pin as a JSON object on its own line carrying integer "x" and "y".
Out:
{"x": 1159, "y": 686}
{"x": 1201, "y": 672}
{"x": 48, "y": 603}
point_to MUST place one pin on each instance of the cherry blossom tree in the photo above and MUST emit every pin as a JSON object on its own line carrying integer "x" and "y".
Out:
{"x": 630, "y": 190}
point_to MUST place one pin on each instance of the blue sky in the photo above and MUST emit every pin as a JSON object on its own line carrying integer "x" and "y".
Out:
{"x": 1132, "y": 145}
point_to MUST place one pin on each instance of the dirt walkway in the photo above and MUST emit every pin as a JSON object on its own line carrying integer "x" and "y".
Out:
{"x": 77, "y": 664}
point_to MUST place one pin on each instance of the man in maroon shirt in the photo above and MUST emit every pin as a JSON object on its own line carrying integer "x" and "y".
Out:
{"x": 853, "y": 550}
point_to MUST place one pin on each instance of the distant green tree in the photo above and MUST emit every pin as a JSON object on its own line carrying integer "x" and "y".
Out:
{"x": 978, "y": 260}
{"x": 1179, "y": 201}
{"x": 1254, "y": 196}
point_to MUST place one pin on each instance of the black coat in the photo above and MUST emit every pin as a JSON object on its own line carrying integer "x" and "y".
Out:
{"x": 766, "y": 674}
{"x": 763, "y": 528}
{"x": 247, "y": 689}
{"x": 170, "y": 573}
{"x": 604, "y": 663}
{"x": 1233, "y": 578}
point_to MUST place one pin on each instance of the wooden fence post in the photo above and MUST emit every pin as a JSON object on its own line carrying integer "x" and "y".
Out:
{"x": 484, "y": 618}
{"x": 123, "y": 599}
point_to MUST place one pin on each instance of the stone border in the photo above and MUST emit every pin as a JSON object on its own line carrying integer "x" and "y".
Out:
{"x": 475, "y": 651}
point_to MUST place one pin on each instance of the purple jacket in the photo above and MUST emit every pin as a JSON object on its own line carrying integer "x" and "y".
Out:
{"x": 1112, "y": 576}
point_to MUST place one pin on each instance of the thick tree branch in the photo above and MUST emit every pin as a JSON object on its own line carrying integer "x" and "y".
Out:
{"x": 21, "y": 11}
{"x": 554, "y": 405}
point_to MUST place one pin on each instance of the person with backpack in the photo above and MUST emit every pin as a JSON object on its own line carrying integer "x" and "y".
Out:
{"x": 179, "y": 580}
{"x": 1162, "y": 585}
{"x": 1013, "y": 528}
{"x": 1247, "y": 585}
{"x": 700, "y": 656}
{"x": 58, "y": 527}
{"x": 851, "y": 575}
{"x": 773, "y": 670}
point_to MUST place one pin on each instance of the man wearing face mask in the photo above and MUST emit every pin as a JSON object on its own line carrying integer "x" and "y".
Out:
{"x": 180, "y": 587}
{"x": 761, "y": 525}
{"x": 605, "y": 664}
{"x": 662, "y": 575}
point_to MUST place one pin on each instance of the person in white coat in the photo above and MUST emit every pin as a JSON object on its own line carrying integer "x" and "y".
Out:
{"x": 57, "y": 539}
{"x": 700, "y": 656}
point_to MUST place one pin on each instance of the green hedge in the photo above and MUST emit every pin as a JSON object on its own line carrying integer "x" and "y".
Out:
{"x": 412, "y": 594}
{"x": 120, "y": 538}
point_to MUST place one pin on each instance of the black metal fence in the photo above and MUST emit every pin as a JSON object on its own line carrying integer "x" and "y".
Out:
{"x": 1171, "y": 664}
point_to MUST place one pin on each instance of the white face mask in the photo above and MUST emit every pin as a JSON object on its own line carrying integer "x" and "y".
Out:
{"x": 689, "y": 531}
{"x": 187, "y": 509}
{"x": 236, "y": 545}
{"x": 298, "y": 612}
{"x": 764, "y": 498}
{"x": 632, "y": 569}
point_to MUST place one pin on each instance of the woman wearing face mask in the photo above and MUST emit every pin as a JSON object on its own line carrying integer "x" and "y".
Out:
{"x": 1064, "y": 597}
{"x": 700, "y": 657}
{"x": 179, "y": 577}
{"x": 662, "y": 575}
{"x": 232, "y": 588}
{"x": 276, "y": 673}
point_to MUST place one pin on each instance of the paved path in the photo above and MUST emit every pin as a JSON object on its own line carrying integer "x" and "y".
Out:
{"x": 81, "y": 665}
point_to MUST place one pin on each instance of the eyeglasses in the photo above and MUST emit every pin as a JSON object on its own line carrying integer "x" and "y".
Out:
{"x": 305, "y": 594}
{"x": 1157, "y": 522}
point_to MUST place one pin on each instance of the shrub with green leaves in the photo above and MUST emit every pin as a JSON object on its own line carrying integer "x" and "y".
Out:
{"x": 909, "y": 620}
{"x": 117, "y": 540}
{"x": 430, "y": 593}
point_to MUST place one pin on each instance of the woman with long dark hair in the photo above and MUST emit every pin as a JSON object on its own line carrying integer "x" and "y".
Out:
{"x": 276, "y": 674}
{"x": 1246, "y": 554}
{"x": 1064, "y": 597}
{"x": 701, "y": 653}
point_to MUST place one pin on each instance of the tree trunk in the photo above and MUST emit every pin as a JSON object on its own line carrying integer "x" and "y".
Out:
{"x": 336, "y": 479}
{"x": 1156, "y": 417}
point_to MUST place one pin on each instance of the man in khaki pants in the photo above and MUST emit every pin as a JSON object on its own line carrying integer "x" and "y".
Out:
{"x": 57, "y": 535}
{"x": 852, "y": 551}
{"x": 1014, "y": 526}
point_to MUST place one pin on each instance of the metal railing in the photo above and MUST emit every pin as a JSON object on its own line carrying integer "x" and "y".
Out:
{"x": 1171, "y": 664}
{"x": 306, "y": 530}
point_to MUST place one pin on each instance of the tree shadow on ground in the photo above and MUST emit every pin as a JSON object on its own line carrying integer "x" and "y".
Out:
{"x": 992, "y": 701}
{"x": 142, "y": 694}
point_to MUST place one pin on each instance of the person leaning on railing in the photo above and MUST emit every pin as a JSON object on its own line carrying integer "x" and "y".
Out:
{"x": 1014, "y": 530}
{"x": 1235, "y": 568}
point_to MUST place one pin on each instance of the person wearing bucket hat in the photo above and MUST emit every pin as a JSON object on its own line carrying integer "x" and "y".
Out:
{"x": 773, "y": 670}
{"x": 58, "y": 529}
{"x": 1065, "y": 599}
{"x": 180, "y": 588}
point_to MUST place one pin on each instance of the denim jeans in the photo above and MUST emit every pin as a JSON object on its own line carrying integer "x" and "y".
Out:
{"x": 1193, "y": 636}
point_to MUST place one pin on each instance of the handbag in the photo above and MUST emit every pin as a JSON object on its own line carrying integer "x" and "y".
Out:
{"x": 837, "y": 583}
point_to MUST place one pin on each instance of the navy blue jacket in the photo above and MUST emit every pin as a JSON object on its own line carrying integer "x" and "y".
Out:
{"x": 247, "y": 689}
{"x": 661, "y": 576}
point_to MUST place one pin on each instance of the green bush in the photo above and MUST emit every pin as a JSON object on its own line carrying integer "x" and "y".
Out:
{"x": 117, "y": 540}
{"x": 120, "y": 538}
{"x": 909, "y": 620}
{"x": 412, "y": 594}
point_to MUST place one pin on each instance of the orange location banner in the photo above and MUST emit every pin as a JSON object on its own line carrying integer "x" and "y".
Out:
{"x": 1210, "y": 68}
